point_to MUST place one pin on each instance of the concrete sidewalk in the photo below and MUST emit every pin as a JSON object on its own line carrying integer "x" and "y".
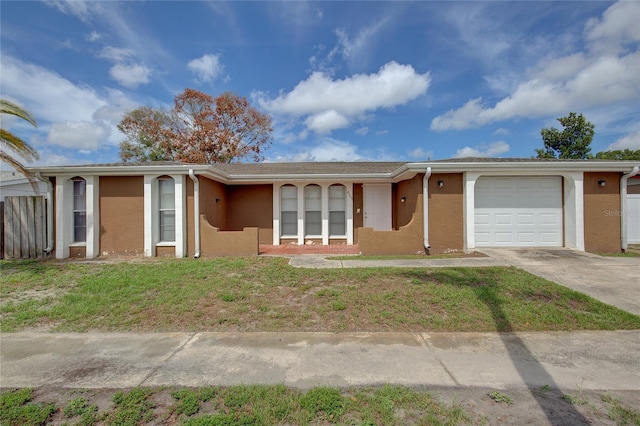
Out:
{"x": 321, "y": 262}
{"x": 568, "y": 361}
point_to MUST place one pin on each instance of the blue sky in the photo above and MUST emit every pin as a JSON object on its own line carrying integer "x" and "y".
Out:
{"x": 398, "y": 81}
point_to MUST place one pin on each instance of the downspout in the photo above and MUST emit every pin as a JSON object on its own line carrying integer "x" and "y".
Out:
{"x": 425, "y": 201}
{"x": 49, "y": 247}
{"x": 623, "y": 205}
{"x": 196, "y": 212}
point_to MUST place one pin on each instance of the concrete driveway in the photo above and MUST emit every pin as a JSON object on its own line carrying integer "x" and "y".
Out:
{"x": 613, "y": 280}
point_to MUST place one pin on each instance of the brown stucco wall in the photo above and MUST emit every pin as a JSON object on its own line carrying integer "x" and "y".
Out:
{"x": 446, "y": 213}
{"x": 358, "y": 208}
{"x": 407, "y": 240}
{"x": 410, "y": 189}
{"x": 251, "y": 206}
{"x": 121, "y": 215}
{"x": 77, "y": 251}
{"x": 602, "y": 213}
{"x": 215, "y": 243}
{"x": 214, "y": 212}
{"x": 163, "y": 251}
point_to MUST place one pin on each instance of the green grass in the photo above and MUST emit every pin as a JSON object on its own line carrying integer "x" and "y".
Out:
{"x": 17, "y": 410}
{"x": 266, "y": 294}
{"x": 625, "y": 254}
{"x": 254, "y": 405}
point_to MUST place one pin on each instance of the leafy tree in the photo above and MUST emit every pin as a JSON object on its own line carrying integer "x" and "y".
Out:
{"x": 198, "y": 129}
{"x": 17, "y": 145}
{"x": 570, "y": 143}
{"x": 625, "y": 154}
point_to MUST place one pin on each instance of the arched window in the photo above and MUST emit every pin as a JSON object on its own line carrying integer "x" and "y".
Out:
{"x": 337, "y": 209}
{"x": 289, "y": 211}
{"x": 167, "y": 209}
{"x": 79, "y": 210}
{"x": 313, "y": 210}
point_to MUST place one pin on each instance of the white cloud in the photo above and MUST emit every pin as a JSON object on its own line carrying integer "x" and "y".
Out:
{"x": 501, "y": 131}
{"x": 115, "y": 54}
{"x": 329, "y": 149}
{"x": 556, "y": 86}
{"x": 65, "y": 111}
{"x": 420, "y": 154}
{"x": 362, "y": 131}
{"x": 629, "y": 141}
{"x": 125, "y": 70}
{"x": 79, "y": 8}
{"x": 78, "y": 134}
{"x": 618, "y": 26}
{"x": 94, "y": 36}
{"x": 319, "y": 96}
{"x": 130, "y": 75}
{"x": 491, "y": 150}
{"x": 327, "y": 121}
{"x": 207, "y": 68}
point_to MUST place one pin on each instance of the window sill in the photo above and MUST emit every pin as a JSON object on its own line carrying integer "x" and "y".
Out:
{"x": 83, "y": 244}
{"x": 166, "y": 244}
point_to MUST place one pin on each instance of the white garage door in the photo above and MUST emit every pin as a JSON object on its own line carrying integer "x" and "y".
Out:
{"x": 518, "y": 211}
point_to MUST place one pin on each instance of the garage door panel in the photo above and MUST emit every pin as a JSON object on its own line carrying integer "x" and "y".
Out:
{"x": 518, "y": 211}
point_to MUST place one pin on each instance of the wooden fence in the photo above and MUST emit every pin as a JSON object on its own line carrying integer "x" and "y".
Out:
{"x": 24, "y": 227}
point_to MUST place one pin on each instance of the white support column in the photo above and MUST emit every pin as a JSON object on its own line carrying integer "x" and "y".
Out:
{"x": 349, "y": 212}
{"x": 150, "y": 187}
{"x": 300, "y": 214}
{"x": 574, "y": 210}
{"x": 276, "y": 214}
{"x": 92, "y": 249}
{"x": 325, "y": 214}
{"x": 64, "y": 216}
{"x": 469, "y": 210}
{"x": 181, "y": 223}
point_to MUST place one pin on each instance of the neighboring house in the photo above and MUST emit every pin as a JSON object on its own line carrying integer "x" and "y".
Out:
{"x": 633, "y": 210}
{"x": 13, "y": 184}
{"x": 160, "y": 209}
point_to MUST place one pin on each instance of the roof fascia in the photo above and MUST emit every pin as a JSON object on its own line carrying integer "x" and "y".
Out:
{"x": 519, "y": 167}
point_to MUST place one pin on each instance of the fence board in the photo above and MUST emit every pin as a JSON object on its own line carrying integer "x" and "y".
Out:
{"x": 24, "y": 227}
{"x": 39, "y": 228}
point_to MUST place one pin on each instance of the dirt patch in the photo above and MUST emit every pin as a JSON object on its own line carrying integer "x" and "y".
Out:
{"x": 543, "y": 406}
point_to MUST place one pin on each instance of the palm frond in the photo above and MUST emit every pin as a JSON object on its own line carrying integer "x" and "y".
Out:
{"x": 18, "y": 145}
{"x": 8, "y": 107}
{"x": 20, "y": 168}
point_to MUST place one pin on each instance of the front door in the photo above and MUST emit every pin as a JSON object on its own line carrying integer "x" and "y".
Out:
{"x": 377, "y": 206}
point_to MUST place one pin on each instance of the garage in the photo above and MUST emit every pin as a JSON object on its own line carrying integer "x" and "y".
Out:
{"x": 518, "y": 211}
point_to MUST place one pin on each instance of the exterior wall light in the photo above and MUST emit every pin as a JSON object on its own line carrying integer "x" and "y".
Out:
{"x": 602, "y": 182}
{"x": 440, "y": 183}
{"x": 218, "y": 200}
{"x": 403, "y": 199}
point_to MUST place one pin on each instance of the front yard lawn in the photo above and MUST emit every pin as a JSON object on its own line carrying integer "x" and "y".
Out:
{"x": 266, "y": 294}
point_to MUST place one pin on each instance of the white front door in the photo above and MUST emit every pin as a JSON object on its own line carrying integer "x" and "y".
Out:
{"x": 518, "y": 211}
{"x": 377, "y": 206}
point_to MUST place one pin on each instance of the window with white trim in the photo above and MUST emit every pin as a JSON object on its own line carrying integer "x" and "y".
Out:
{"x": 288, "y": 211}
{"x": 167, "y": 210}
{"x": 313, "y": 211}
{"x": 79, "y": 210}
{"x": 337, "y": 211}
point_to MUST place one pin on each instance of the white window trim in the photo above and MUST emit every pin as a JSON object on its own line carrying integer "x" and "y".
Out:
{"x": 300, "y": 237}
{"x": 152, "y": 217}
{"x": 64, "y": 216}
